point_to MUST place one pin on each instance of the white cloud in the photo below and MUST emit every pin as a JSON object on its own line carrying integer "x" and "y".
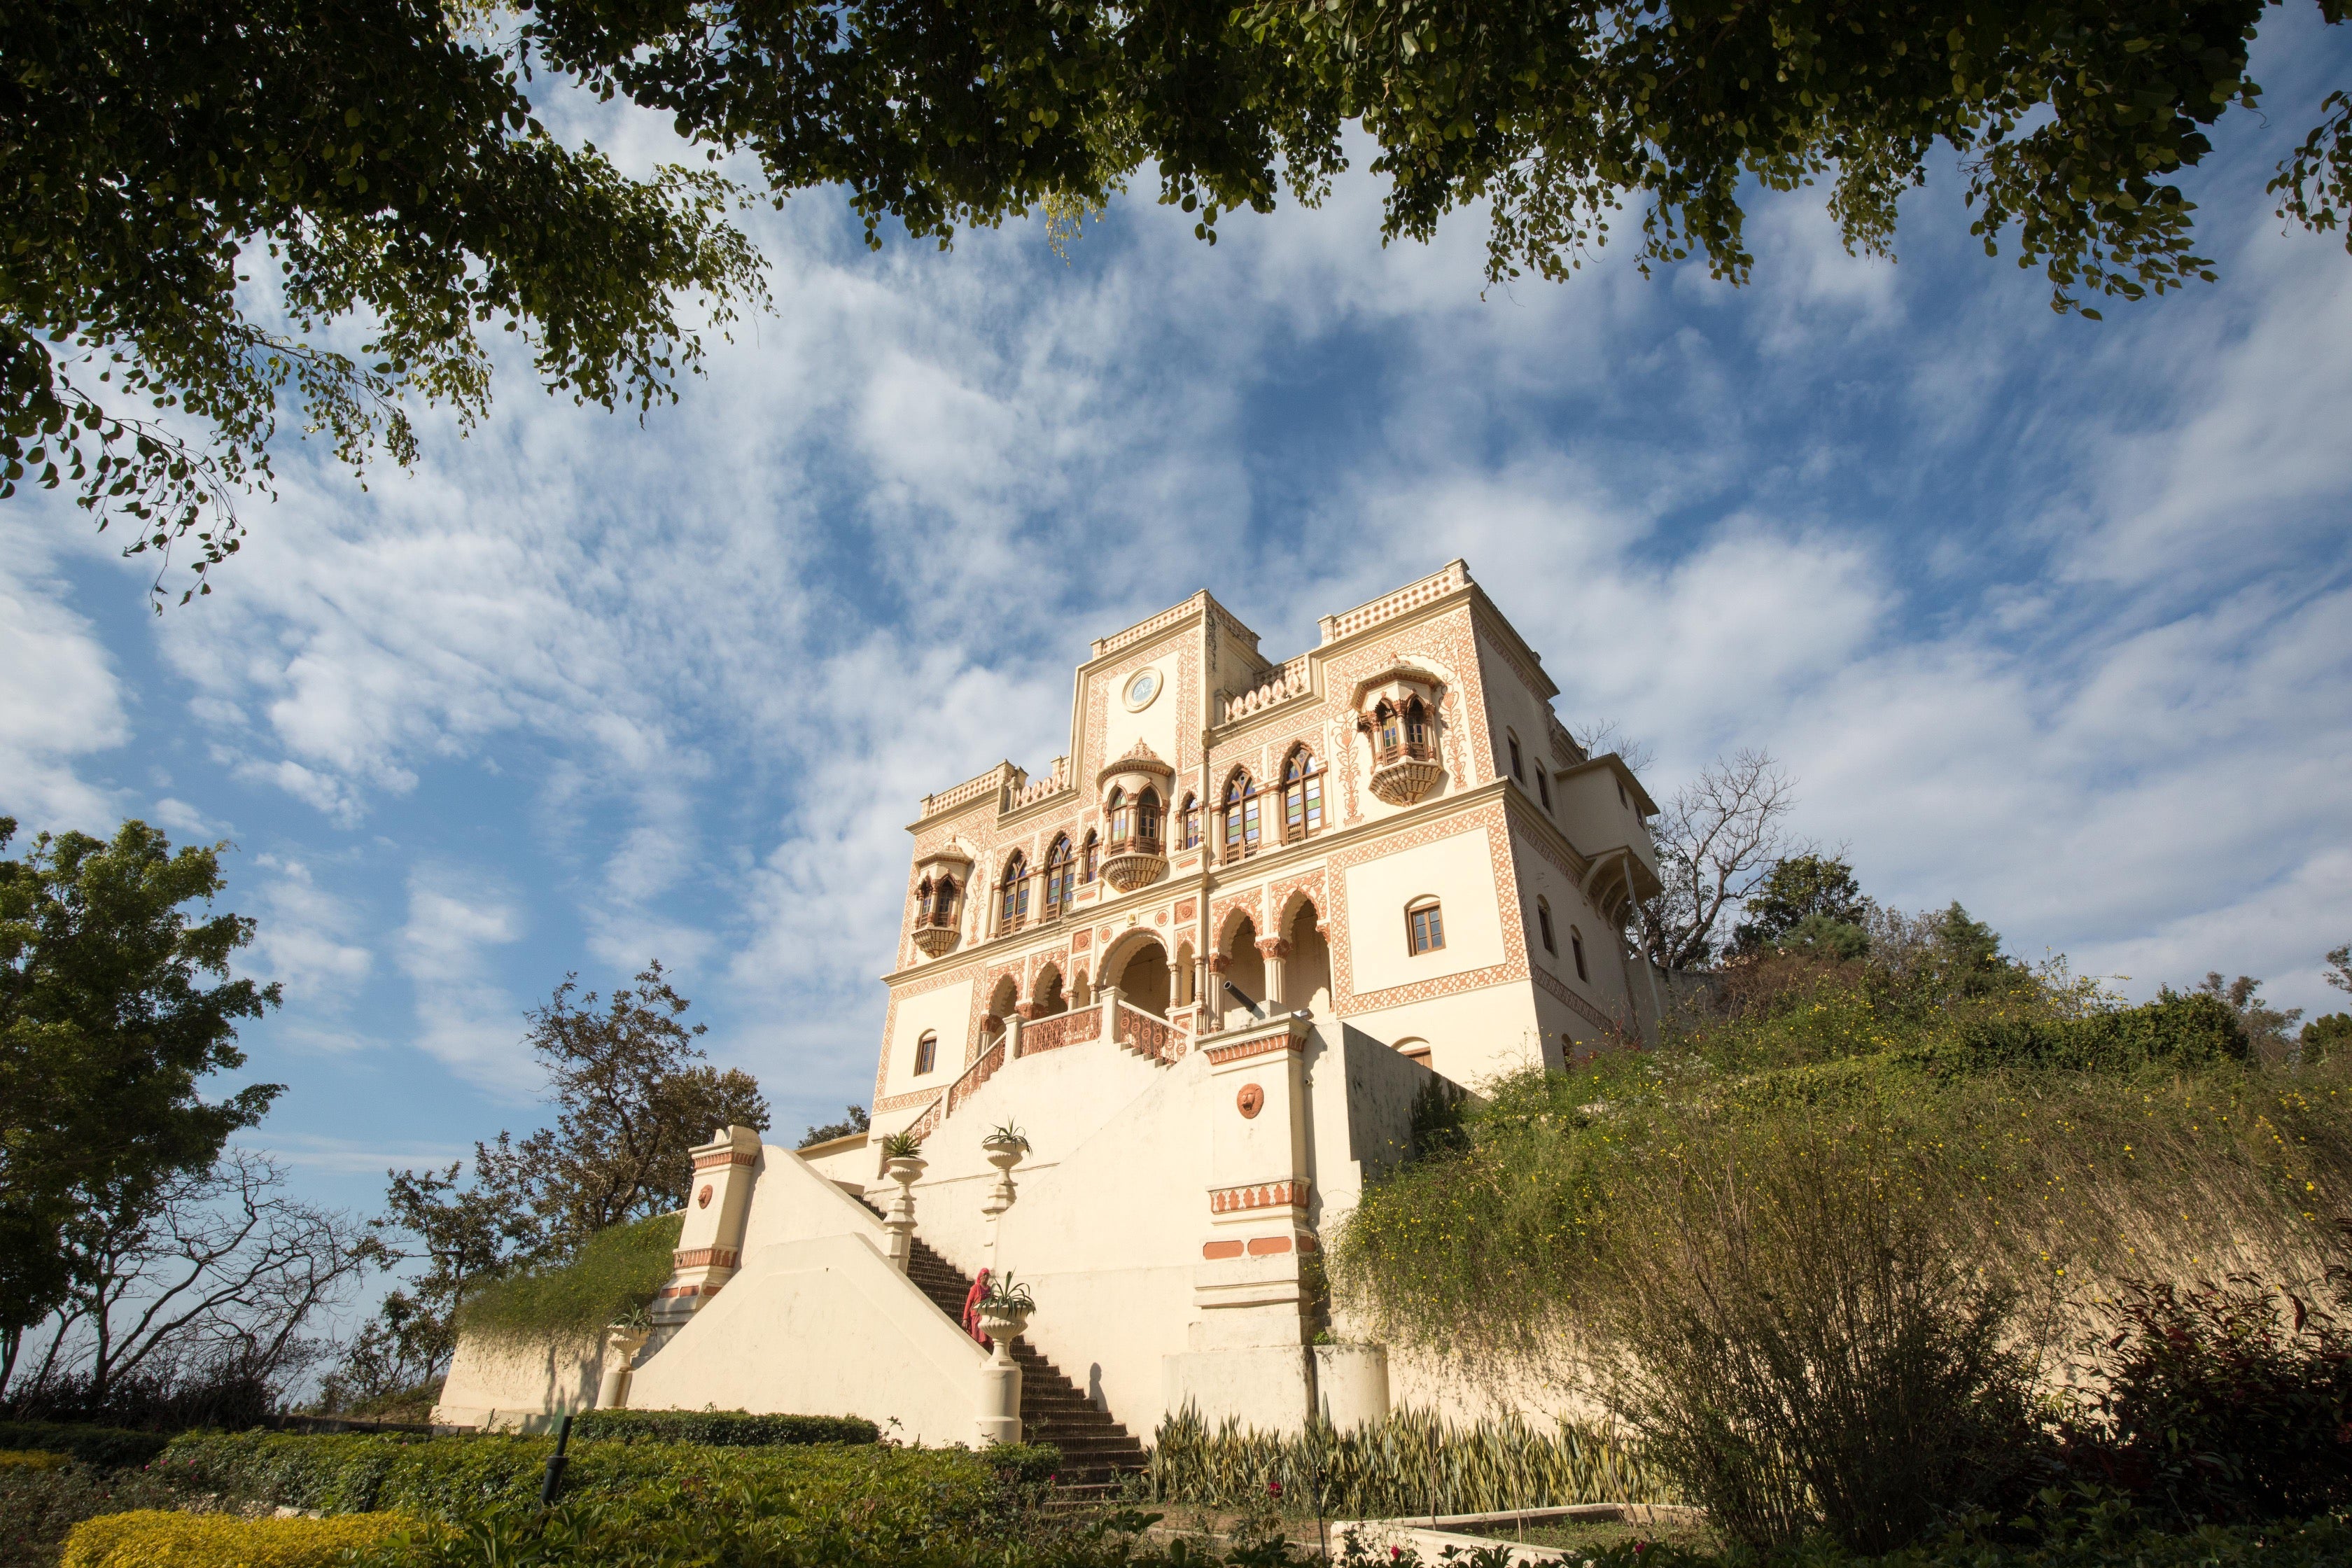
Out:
{"x": 59, "y": 700}
{"x": 303, "y": 941}
{"x": 457, "y": 920}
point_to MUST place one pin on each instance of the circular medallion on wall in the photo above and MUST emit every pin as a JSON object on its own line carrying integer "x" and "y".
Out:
{"x": 702, "y": 1199}
{"x": 1141, "y": 687}
{"x": 1250, "y": 1100}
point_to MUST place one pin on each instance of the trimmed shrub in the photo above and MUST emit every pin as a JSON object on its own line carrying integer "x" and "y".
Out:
{"x": 38, "y": 1507}
{"x": 722, "y": 1428}
{"x": 456, "y": 1478}
{"x": 109, "y": 1448}
{"x": 614, "y": 1273}
{"x": 156, "y": 1538}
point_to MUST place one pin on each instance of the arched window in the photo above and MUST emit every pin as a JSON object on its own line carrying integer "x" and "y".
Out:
{"x": 1416, "y": 726}
{"x": 1188, "y": 823}
{"x": 935, "y": 902}
{"x": 1302, "y": 796}
{"x": 1086, "y": 856}
{"x": 1240, "y": 817}
{"x": 1122, "y": 818}
{"x": 1414, "y": 1050}
{"x": 1391, "y": 730}
{"x": 1424, "y": 926}
{"x": 1517, "y": 772}
{"x": 1061, "y": 878}
{"x": 923, "y": 903}
{"x": 1543, "y": 788}
{"x": 1012, "y": 895}
{"x": 1543, "y": 923}
{"x": 1147, "y": 816}
{"x": 1576, "y": 945}
{"x": 927, "y": 1052}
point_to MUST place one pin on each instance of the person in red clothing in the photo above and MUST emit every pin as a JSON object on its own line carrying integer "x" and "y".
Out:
{"x": 971, "y": 1306}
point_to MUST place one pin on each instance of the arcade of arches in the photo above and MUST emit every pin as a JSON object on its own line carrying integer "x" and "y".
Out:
{"x": 1290, "y": 970}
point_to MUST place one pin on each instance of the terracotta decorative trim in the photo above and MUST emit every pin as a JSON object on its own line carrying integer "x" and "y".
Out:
{"x": 706, "y": 1258}
{"x": 677, "y": 1292}
{"x": 1268, "y": 1245}
{"x": 719, "y": 1157}
{"x": 1219, "y": 1055}
{"x": 1289, "y": 1193}
{"x": 1216, "y": 1250}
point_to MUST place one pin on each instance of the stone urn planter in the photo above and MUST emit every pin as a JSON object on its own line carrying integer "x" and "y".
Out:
{"x": 999, "y": 1376}
{"x": 900, "y": 1222}
{"x": 1003, "y": 1149}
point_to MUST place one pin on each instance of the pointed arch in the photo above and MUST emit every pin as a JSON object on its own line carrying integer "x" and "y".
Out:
{"x": 1302, "y": 794}
{"x": 1243, "y": 829}
{"x": 1061, "y": 882}
{"x": 1089, "y": 854}
{"x": 1188, "y": 823}
{"x": 1013, "y": 894}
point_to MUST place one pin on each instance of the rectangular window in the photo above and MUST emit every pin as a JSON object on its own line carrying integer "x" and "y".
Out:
{"x": 1428, "y": 928}
{"x": 1543, "y": 919}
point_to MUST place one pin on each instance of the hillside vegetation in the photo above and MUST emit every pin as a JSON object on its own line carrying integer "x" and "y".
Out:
{"x": 1838, "y": 1245}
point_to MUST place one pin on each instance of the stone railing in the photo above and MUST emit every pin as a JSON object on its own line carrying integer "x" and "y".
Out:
{"x": 992, "y": 782}
{"x": 1070, "y": 1028}
{"x": 956, "y": 1093}
{"x": 1147, "y": 1036}
{"x": 1057, "y": 779}
{"x": 1291, "y": 680}
{"x": 1142, "y": 629}
{"x": 1454, "y": 575}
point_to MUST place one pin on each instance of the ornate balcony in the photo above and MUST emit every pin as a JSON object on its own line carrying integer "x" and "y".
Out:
{"x": 1134, "y": 862}
{"x": 936, "y": 932}
{"x": 1402, "y": 773}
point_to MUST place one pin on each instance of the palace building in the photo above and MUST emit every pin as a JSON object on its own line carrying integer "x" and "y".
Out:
{"x": 1205, "y": 964}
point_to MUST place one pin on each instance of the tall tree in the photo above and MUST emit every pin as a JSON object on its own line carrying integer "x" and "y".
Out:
{"x": 2270, "y": 1030}
{"x": 108, "y": 1031}
{"x": 1718, "y": 838}
{"x": 631, "y": 1094}
{"x": 1810, "y": 891}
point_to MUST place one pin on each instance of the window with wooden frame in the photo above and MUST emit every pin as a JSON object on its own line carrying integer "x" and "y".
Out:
{"x": 1543, "y": 925}
{"x": 1575, "y": 944}
{"x": 935, "y": 902}
{"x": 1425, "y": 927}
{"x": 1188, "y": 823}
{"x": 1061, "y": 877}
{"x": 1416, "y": 727}
{"x": 1147, "y": 817}
{"x": 1517, "y": 771}
{"x": 1012, "y": 895}
{"x": 1241, "y": 816}
{"x": 1302, "y": 796}
{"x": 1087, "y": 855}
{"x": 927, "y": 1052}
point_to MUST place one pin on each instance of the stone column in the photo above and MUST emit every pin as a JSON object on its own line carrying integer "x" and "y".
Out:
{"x": 1216, "y": 992}
{"x": 1276, "y": 978}
{"x": 1111, "y": 994}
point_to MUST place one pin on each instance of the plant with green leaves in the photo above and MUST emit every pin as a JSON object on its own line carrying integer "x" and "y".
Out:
{"x": 901, "y": 1146}
{"x": 1006, "y": 1135}
{"x": 1007, "y": 1296}
{"x": 614, "y": 1274}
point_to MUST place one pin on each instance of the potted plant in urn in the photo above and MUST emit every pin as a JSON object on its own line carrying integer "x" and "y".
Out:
{"x": 1005, "y": 1310}
{"x": 1006, "y": 1137}
{"x": 902, "y": 1156}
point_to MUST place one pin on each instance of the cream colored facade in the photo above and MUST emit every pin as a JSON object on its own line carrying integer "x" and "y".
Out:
{"x": 1382, "y": 862}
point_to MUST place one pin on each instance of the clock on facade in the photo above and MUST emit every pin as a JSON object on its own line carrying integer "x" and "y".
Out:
{"x": 1141, "y": 689}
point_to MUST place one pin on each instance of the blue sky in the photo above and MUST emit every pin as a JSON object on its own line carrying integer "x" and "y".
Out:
{"x": 2050, "y": 617}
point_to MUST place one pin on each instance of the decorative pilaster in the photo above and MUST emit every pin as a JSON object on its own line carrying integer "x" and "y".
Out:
{"x": 710, "y": 1242}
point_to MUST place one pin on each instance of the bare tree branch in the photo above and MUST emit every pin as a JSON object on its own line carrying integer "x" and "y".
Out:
{"x": 1717, "y": 839}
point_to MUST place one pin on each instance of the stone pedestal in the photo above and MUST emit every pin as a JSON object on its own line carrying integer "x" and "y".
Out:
{"x": 901, "y": 1221}
{"x": 1000, "y": 1377}
{"x": 710, "y": 1242}
{"x": 621, "y": 1344}
{"x": 1001, "y": 1197}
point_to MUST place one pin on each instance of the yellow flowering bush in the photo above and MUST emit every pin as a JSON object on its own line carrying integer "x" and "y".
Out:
{"x": 159, "y": 1538}
{"x": 32, "y": 1460}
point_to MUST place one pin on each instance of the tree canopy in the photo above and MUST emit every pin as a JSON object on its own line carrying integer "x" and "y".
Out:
{"x": 376, "y": 170}
{"x": 108, "y": 1030}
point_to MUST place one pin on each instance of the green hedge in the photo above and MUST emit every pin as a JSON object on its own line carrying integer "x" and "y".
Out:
{"x": 454, "y": 1478}
{"x": 109, "y": 1447}
{"x": 722, "y": 1428}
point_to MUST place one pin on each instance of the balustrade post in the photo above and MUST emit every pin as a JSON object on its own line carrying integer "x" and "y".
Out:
{"x": 1216, "y": 993}
{"x": 1013, "y": 1037}
{"x": 1110, "y": 995}
{"x": 900, "y": 1222}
